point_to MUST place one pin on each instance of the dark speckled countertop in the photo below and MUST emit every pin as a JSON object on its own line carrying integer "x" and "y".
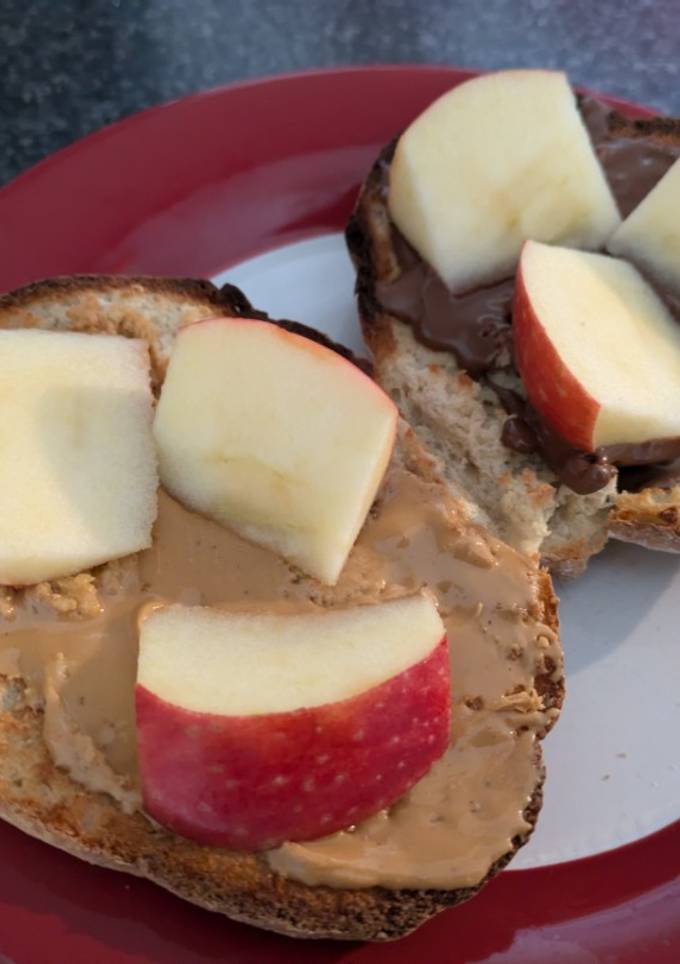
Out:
{"x": 68, "y": 67}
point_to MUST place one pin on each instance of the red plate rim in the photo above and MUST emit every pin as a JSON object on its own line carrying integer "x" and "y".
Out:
{"x": 94, "y": 207}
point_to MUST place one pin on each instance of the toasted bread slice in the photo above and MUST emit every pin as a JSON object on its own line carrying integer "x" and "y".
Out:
{"x": 43, "y": 800}
{"x": 460, "y": 420}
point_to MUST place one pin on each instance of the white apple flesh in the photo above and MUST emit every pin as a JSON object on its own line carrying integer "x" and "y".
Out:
{"x": 255, "y": 729}
{"x": 650, "y": 235}
{"x": 77, "y": 463}
{"x": 598, "y": 351}
{"x": 274, "y": 436}
{"x": 498, "y": 160}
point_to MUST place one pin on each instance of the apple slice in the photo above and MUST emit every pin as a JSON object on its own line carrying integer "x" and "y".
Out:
{"x": 255, "y": 729}
{"x": 598, "y": 351}
{"x": 274, "y": 436}
{"x": 493, "y": 162}
{"x": 77, "y": 464}
{"x": 650, "y": 235}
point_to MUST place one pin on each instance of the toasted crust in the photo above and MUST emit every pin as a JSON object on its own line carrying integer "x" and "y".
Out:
{"x": 42, "y": 800}
{"x": 650, "y": 517}
{"x": 661, "y": 130}
{"x": 52, "y": 290}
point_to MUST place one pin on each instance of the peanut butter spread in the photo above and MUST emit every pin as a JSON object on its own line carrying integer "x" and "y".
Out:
{"x": 74, "y": 644}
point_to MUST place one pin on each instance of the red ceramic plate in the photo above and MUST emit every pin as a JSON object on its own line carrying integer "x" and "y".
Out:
{"x": 189, "y": 188}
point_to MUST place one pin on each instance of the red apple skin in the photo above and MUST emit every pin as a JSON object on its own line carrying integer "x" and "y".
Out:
{"x": 552, "y": 389}
{"x": 251, "y": 782}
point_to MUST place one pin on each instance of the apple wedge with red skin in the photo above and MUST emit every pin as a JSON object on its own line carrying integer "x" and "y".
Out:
{"x": 597, "y": 349}
{"x": 259, "y": 728}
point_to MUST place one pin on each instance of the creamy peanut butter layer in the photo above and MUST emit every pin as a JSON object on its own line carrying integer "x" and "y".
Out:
{"x": 74, "y": 643}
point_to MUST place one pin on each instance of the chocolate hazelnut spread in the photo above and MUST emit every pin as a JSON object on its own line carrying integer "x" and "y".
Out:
{"x": 74, "y": 644}
{"x": 476, "y": 326}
